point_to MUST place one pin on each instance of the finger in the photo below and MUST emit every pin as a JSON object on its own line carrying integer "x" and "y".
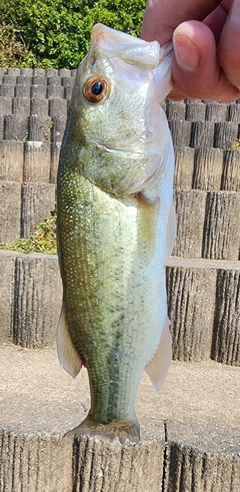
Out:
{"x": 229, "y": 45}
{"x": 195, "y": 69}
{"x": 216, "y": 19}
{"x": 161, "y": 17}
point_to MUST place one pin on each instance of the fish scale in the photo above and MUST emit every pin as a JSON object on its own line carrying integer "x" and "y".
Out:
{"x": 112, "y": 242}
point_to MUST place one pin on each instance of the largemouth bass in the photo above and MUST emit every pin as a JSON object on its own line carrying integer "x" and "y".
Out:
{"x": 116, "y": 227}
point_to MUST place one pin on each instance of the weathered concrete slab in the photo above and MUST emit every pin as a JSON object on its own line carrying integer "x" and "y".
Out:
{"x": 37, "y": 158}
{"x": 225, "y": 133}
{"x": 234, "y": 112}
{"x": 5, "y": 105}
{"x": 39, "y": 107}
{"x": 55, "y": 91}
{"x": 58, "y": 128}
{"x": 175, "y": 110}
{"x": 22, "y": 90}
{"x": 26, "y": 77}
{"x": 207, "y": 224}
{"x": 7, "y": 90}
{"x": 184, "y": 166}
{"x": 10, "y": 199}
{"x": 181, "y": 133}
{"x": 38, "y": 90}
{"x": 58, "y": 107}
{"x": 202, "y": 459}
{"x": 208, "y": 169}
{"x": 37, "y": 300}
{"x": 231, "y": 170}
{"x": 195, "y": 110}
{"x": 191, "y": 300}
{"x": 203, "y": 305}
{"x": 221, "y": 235}
{"x": 190, "y": 437}
{"x": 7, "y": 276}
{"x": 226, "y": 335}
{"x": 55, "y": 153}
{"x": 38, "y": 201}
{"x": 216, "y": 111}
{"x": 204, "y": 309}
{"x": 11, "y": 160}
{"x": 21, "y": 105}
{"x": 39, "y": 128}
{"x": 15, "y": 127}
{"x": 202, "y": 134}
{"x": 190, "y": 212}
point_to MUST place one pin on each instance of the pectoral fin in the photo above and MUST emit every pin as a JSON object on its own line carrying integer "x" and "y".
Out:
{"x": 158, "y": 367}
{"x": 67, "y": 353}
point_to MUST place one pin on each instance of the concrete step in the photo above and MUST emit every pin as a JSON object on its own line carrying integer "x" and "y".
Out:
{"x": 206, "y": 168}
{"x": 203, "y": 300}
{"x": 50, "y": 105}
{"x": 27, "y": 161}
{"x": 207, "y": 221}
{"x": 23, "y": 206}
{"x": 207, "y": 224}
{"x": 204, "y": 309}
{"x": 190, "y": 431}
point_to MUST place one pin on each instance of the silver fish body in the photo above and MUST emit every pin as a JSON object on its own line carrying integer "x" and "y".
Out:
{"x": 116, "y": 227}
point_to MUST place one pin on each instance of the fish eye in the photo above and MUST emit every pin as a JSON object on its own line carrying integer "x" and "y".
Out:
{"x": 95, "y": 89}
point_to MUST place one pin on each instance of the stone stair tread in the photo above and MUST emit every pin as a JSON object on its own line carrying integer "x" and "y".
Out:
{"x": 202, "y": 400}
{"x": 203, "y": 305}
{"x": 181, "y": 261}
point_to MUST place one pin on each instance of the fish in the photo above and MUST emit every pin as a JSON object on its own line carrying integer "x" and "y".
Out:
{"x": 116, "y": 228}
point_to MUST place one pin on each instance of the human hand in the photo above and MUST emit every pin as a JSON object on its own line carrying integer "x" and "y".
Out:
{"x": 206, "y": 40}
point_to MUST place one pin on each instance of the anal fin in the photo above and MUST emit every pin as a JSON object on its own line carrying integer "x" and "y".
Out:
{"x": 157, "y": 368}
{"x": 67, "y": 354}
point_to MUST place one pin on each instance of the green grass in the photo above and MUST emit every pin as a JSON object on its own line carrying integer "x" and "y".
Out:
{"x": 43, "y": 240}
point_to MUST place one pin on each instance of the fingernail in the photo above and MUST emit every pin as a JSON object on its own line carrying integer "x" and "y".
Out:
{"x": 186, "y": 53}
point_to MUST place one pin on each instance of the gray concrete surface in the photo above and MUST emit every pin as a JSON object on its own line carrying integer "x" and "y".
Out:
{"x": 190, "y": 430}
{"x": 203, "y": 302}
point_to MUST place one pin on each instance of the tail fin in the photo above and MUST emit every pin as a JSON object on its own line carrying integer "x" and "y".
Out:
{"x": 123, "y": 430}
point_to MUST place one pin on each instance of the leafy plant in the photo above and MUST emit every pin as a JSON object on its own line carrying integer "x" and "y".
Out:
{"x": 56, "y": 34}
{"x": 42, "y": 241}
{"x": 12, "y": 47}
{"x": 235, "y": 144}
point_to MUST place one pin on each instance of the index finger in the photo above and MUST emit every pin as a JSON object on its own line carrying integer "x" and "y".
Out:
{"x": 161, "y": 17}
{"x": 229, "y": 45}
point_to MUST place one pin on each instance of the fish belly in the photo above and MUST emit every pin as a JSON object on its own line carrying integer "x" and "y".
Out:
{"x": 114, "y": 293}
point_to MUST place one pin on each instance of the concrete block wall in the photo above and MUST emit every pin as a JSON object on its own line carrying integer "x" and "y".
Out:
{"x": 190, "y": 432}
{"x": 203, "y": 300}
{"x": 207, "y": 197}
